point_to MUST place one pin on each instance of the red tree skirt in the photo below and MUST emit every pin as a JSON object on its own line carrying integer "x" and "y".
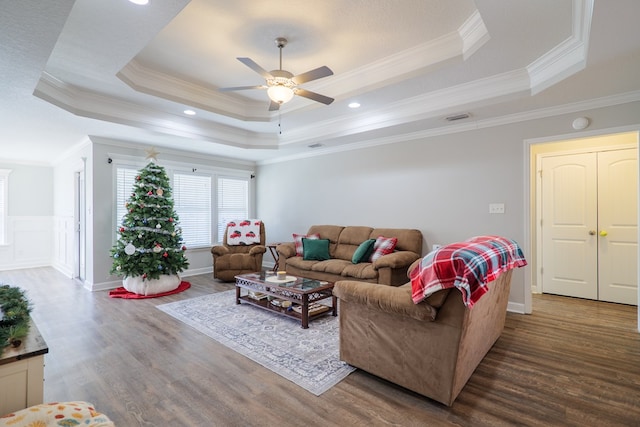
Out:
{"x": 123, "y": 293}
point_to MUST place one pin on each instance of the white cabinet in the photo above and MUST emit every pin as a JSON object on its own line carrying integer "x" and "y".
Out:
{"x": 22, "y": 373}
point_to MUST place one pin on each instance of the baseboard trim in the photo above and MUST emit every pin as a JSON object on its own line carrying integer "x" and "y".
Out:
{"x": 516, "y": 307}
{"x": 196, "y": 271}
{"x": 104, "y": 286}
{"x": 64, "y": 269}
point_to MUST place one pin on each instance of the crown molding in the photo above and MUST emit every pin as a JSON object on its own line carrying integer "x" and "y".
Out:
{"x": 471, "y": 35}
{"x": 97, "y": 106}
{"x": 432, "y": 104}
{"x": 168, "y": 154}
{"x": 576, "y": 107}
{"x": 147, "y": 80}
{"x": 474, "y": 34}
{"x": 568, "y": 57}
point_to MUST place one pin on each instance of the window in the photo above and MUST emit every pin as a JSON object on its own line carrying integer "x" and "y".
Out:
{"x": 233, "y": 201}
{"x": 195, "y": 199}
{"x": 125, "y": 178}
{"x": 192, "y": 201}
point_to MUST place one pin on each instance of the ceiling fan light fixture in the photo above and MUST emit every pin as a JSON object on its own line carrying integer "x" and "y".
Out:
{"x": 280, "y": 93}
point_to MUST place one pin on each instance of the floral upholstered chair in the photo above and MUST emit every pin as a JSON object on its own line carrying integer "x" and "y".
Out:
{"x": 57, "y": 414}
{"x": 241, "y": 251}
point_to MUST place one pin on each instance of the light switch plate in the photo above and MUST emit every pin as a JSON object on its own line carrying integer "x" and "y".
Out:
{"x": 496, "y": 208}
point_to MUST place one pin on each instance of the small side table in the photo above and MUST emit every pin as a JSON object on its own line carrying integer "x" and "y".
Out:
{"x": 274, "y": 254}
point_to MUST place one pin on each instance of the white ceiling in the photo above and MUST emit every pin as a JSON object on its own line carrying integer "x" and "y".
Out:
{"x": 111, "y": 69}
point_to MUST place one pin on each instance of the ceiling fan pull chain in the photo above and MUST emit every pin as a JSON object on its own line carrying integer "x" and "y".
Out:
{"x": 280, "y": 122}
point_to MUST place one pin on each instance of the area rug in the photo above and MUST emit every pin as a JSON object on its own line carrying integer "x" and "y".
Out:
{"x": 123, "y": 293}
{"x": 308, "y": 357}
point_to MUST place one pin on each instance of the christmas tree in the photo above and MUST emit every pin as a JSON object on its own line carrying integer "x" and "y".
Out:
{"x": 150, "y": 241}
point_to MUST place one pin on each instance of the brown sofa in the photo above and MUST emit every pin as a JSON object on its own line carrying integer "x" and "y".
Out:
{"x": 431, "y": 348}
{"x": 389, "y": 269}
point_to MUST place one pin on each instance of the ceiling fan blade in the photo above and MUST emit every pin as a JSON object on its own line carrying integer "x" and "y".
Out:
{"x": 229, "y": 89}
{"x": 318, "y": 73}
{"x": 314, "y": 96}
{"x": 255, "y": 67}
{"x": 274, "y": 106}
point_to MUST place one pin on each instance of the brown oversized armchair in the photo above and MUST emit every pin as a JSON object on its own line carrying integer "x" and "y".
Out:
{"x": 230, "y": 260}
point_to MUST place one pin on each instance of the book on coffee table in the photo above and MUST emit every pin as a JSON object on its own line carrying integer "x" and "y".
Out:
{"x": 256, "y": 295}
{"x": 314, "y": 308}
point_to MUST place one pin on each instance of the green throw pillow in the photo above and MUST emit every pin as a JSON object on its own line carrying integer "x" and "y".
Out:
{"x": 315, "y": 249}
{"x": 363, "y": 252}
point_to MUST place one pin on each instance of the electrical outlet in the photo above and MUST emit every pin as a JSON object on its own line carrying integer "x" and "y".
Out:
{"x": 496, "y": 208}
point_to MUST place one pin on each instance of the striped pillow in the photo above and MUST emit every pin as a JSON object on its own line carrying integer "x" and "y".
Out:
{"x": 383, "y": 246}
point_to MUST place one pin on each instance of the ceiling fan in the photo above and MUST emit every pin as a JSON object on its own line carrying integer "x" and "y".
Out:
{"x": 281, "y": 85}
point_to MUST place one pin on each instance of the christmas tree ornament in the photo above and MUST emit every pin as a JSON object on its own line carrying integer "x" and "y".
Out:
{"x": 130, "y": 249}
{"x": 159, "y": 192}
{"x": 158, "y": 226}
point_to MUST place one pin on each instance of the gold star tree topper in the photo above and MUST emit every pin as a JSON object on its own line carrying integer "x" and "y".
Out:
{"x": 152, "y": 154}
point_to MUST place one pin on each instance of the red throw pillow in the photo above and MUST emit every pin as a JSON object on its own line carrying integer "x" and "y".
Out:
{"x": 297, "y": 241}
{"x": 383, "y": 246}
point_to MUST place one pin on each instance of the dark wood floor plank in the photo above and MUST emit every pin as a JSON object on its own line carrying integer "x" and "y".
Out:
{"x": 573, "y": 362}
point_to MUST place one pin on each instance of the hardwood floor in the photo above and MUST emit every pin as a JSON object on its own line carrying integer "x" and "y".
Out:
{"x": 573, "y": 362}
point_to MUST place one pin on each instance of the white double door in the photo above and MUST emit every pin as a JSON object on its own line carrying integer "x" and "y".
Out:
{"x": 589, "y": 225}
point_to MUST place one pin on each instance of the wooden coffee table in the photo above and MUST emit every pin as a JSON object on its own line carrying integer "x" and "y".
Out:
{"x": 264, "y": 290}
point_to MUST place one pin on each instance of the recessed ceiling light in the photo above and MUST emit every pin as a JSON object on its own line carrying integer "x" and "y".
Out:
{"x": 189, "y": 112}
{"x": 140, "y": 2}
{"x": 354, "y": 104}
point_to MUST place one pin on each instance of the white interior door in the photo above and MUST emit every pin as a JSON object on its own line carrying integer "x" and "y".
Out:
{"x": 618, "y": 226}
{"x": 569, "y": 223}
{"x": 589, "y": 225}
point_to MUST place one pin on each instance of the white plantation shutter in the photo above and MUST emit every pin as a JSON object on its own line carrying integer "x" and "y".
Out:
{"x": 233, "y": 202}
{"x": 125, "y": 178}
{"x": 192, "y": 201}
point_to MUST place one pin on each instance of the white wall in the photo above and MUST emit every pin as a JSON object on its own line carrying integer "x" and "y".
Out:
{"x": 442, "y": 185}
{"x": 29, "y": 220}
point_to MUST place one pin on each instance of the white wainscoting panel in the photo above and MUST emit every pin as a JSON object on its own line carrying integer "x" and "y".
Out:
{"x": 64, "y": 245}
{"x": 29, "y": 241}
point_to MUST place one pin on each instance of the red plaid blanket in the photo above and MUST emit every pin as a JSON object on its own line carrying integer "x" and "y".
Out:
{"x": 468, "y": 266}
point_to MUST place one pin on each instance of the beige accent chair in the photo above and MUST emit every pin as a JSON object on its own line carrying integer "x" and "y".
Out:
{"x": 231, "y": 260}
{"x": 432, "y": 347}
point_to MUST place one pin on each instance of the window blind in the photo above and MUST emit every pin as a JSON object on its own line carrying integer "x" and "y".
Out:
{"x": 192, "y": 201}
{"x": 125, "y": 178}
{"x": 233, "y": 202}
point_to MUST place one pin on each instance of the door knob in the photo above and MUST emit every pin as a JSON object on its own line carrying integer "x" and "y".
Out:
{"x": 592, "y": 232}
{"x": 603, "y": 233}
